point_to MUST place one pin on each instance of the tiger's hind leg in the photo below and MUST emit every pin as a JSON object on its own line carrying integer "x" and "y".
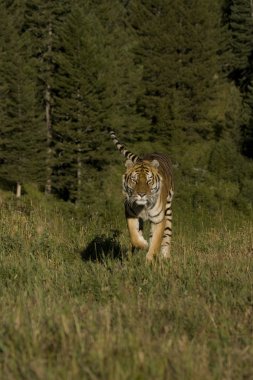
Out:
{"x": 166, "y": 241}
{"x": 135, "y": 227}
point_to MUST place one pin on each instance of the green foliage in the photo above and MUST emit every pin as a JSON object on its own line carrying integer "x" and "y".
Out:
{"x": 247, "y": 126}
{"x": 21, "y": 137}
{"x": 92, "y": 89}
{"x": 181, "y": 74}
{"x": 240, "y": 23}
{"x": 224, "y": 161}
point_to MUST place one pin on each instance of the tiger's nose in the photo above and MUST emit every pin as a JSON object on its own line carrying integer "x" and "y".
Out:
{"x": 141, "y": 194}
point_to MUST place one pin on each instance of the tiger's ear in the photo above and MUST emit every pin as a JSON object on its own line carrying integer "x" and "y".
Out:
{"x": 128, "y": 164}
{"x": 155, "y": 163}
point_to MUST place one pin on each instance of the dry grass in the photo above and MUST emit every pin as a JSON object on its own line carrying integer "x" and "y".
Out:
{"x": 65, "y": 315}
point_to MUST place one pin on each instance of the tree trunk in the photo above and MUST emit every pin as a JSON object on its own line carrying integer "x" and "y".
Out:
{"x": 48, "y": 188}
{"x": 18, "y": 190}
{"x": 48, "y": 99}
{"x": 79, "y": 173}
{"x": 79, "y": 153}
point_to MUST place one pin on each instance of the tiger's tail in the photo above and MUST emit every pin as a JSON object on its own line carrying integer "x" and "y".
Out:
{"x": 128, "y": 155}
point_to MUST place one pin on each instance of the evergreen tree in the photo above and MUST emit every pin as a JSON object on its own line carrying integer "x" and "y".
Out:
{"x": 241, "y": 27}
{"x": 240, "y": 21}
{"x": 247, "y": 126}
{"x": 97, "y": 84}
{"x": 179, "y": 46}
{"x": 21, "y": 139}
{"x": 121, "y": 72}
{"x": 42, "y": 20}
{"x": 77, "y": 98}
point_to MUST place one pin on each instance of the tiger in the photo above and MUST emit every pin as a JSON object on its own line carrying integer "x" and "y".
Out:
{"x": 148, "y": 190}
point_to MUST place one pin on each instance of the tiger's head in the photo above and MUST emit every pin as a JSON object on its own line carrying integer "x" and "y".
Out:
{"x": 142, "y": 182}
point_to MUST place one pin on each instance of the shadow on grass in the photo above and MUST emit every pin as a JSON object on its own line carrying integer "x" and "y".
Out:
{"x": 103, "y": 247}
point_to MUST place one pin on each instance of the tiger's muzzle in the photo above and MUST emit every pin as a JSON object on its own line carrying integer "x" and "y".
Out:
{"x": 141, "y": 199}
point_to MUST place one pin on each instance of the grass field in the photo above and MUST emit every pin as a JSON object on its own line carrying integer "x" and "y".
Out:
{"x": 74, "y": 305}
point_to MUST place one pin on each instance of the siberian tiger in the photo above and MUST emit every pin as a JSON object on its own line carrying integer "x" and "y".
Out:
{"x": 148, "y": 190}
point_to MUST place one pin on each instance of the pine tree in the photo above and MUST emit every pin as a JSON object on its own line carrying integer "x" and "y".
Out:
{"x": 77, "y": 101}
{"x": 179, "y": 44}
{"x": 121, "y": 71}
{"x": 241, "y": 27}
{"x": 21, "y": 139}
{"x": 247, "y": 126}
{"x": 240, "y": 22}
{"x": 97, "y": 84}
{"x": 42, "y": 19}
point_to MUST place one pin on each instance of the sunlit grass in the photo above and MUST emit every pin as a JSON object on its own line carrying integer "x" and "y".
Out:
{"x": 68, "y": 314}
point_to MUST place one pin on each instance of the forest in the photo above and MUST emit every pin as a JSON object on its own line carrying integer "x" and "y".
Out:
{"x": 169, "y": 76}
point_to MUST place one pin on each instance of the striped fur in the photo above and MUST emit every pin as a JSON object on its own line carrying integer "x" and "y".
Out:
{"x": 128, "y": 155}
{"x": 148, "y": 190}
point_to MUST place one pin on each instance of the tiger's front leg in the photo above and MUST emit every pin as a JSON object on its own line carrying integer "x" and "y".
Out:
{"x": 137, "y": 240}
{"x": 157, "y": 236}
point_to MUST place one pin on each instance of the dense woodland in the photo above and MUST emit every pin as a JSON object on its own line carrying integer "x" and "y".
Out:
{"x": 166, "y": 75}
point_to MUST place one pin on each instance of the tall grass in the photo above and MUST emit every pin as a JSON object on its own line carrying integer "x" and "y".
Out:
{"x": 74, "y": 305}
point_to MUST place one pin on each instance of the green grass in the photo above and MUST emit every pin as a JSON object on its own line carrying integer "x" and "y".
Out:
{"x": 65, "y": 315}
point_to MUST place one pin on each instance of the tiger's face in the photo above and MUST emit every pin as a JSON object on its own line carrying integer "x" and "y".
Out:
{"x": 141, "y": 182}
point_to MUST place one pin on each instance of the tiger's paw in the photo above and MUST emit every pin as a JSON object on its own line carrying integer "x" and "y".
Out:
{"x": 143, "y": 244}
{"x": 140, "y": 243}
{"x": 165, "y": 253}
{"x": 149, "y": 258}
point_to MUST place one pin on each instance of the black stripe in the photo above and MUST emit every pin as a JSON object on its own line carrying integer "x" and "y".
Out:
{"x": 155, "y": 216}
{"x": 130, "y": 155}
{"x": 121, "y": 148}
